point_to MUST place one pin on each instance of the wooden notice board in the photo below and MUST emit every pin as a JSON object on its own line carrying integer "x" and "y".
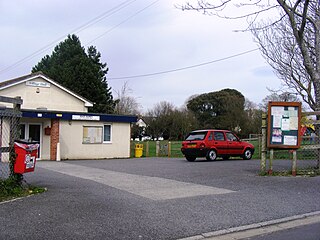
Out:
{"x": 284, "y": 125}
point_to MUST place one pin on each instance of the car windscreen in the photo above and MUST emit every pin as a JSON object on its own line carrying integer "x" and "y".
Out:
{"x": 196, "y": 136}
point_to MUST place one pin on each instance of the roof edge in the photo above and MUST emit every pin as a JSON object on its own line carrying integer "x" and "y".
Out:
{"x": 28, "y": 77}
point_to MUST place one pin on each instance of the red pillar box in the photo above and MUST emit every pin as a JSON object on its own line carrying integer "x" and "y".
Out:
{"x": 27, "y": 153}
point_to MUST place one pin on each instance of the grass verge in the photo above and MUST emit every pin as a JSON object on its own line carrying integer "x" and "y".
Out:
{"x": 308, "y": 172}
{"x": 10, "y": 189}
{"x": 175, "y": 149}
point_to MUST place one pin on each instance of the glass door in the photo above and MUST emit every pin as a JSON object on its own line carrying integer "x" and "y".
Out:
{"x": 31, "y": 132}
{"x": 34, "y": 132}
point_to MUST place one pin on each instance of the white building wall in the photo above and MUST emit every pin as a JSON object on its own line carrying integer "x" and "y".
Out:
{"x": 42, "y": 94}
{"x": 72, "y": 146}
{"x": 51, "y": 98}
{"x": 45, "y": 141}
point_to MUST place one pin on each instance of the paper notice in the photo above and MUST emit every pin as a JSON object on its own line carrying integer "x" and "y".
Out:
{"x": 294, "y": 123}
{"x": 290, "y": 140}
{"x": 276, "y": 139}
{"x": 277, "y": 121}
{"x": 293, "y": 113}
{"x": 285, "y": 124}
{"x": 277, "y": 111}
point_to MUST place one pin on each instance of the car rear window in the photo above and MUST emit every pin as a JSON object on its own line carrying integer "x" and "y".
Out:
{"x": 196, "y": 136}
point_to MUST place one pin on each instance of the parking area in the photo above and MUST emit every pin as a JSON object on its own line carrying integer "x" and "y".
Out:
{"x": 152, "y": 198}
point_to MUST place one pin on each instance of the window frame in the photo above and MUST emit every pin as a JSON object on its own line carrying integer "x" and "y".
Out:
{"x": 110, "y": 134}
{"x": 90, "y": 129}
{"x": 221, "y": 134}
{"x": 234, "y": 137}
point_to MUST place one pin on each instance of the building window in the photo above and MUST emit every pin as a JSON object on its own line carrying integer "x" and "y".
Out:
{"x": 107, "y": 133}
{"x": 92, "y": 134}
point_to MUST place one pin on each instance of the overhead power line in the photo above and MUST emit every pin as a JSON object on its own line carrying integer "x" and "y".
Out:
{"x": 76, "y": 30}
{"x": 127, "y": 19}
{"x": 184, "y": 68}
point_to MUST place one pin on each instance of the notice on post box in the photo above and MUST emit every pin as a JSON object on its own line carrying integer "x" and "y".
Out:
{"x": 30, "y": 161}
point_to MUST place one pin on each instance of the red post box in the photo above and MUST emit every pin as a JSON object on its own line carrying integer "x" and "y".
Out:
{"x": 27, "y": 153}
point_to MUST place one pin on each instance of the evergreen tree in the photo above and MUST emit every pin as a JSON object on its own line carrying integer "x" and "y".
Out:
{"x": 80, "y": 71}
{"x": 222, "y": 109}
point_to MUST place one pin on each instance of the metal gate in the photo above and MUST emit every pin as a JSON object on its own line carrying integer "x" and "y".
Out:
{"x": 10, "y": 115}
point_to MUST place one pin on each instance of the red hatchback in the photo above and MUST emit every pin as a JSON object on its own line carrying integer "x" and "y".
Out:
{"x": 215, "y": 143}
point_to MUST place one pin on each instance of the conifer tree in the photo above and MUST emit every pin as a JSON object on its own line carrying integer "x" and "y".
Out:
{"x": 80, "y": 71}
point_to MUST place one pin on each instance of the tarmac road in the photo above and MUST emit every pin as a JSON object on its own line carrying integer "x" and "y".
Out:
{"x": 152, "y": 198}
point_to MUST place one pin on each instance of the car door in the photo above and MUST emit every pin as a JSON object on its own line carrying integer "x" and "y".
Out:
{"x": 235, "y": 146}
{"x": 219, "y": 142}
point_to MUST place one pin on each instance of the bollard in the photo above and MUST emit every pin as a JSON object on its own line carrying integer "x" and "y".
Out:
{"x": 58, "y": 158}
{"x": 157, "y": 148}
{"x": 147, "y": 149}
{"x": 294, "y": 163}
{"x": 270, "y": 161}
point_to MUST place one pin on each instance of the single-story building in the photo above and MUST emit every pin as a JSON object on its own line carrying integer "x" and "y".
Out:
{"x": 59, "y": 120}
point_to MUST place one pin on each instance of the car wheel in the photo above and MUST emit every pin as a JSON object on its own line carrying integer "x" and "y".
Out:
{"x": 247, "y": 155}
{"x": 226, "y": 157}
{"x": 190, "y": 158}
{"x": 211, "y": 155}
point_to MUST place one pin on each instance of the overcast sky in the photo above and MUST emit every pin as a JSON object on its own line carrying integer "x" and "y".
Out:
{"x": 138, "y": 37}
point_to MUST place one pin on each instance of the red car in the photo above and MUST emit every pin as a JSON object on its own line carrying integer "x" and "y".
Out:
{"x": 215, "y": 143}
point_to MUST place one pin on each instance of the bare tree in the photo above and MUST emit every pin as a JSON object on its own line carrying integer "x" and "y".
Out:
{"x": 159, "y": 120}
{"x": 252, "y": 123}
{"x": 162, "y": 108}
{"x": 169, "y": 122}
{"x": 276, "y": 97}
{"x": 291, "y": 47}
{"x": 290, "y": 42}
{"x": 126, "y": 104}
